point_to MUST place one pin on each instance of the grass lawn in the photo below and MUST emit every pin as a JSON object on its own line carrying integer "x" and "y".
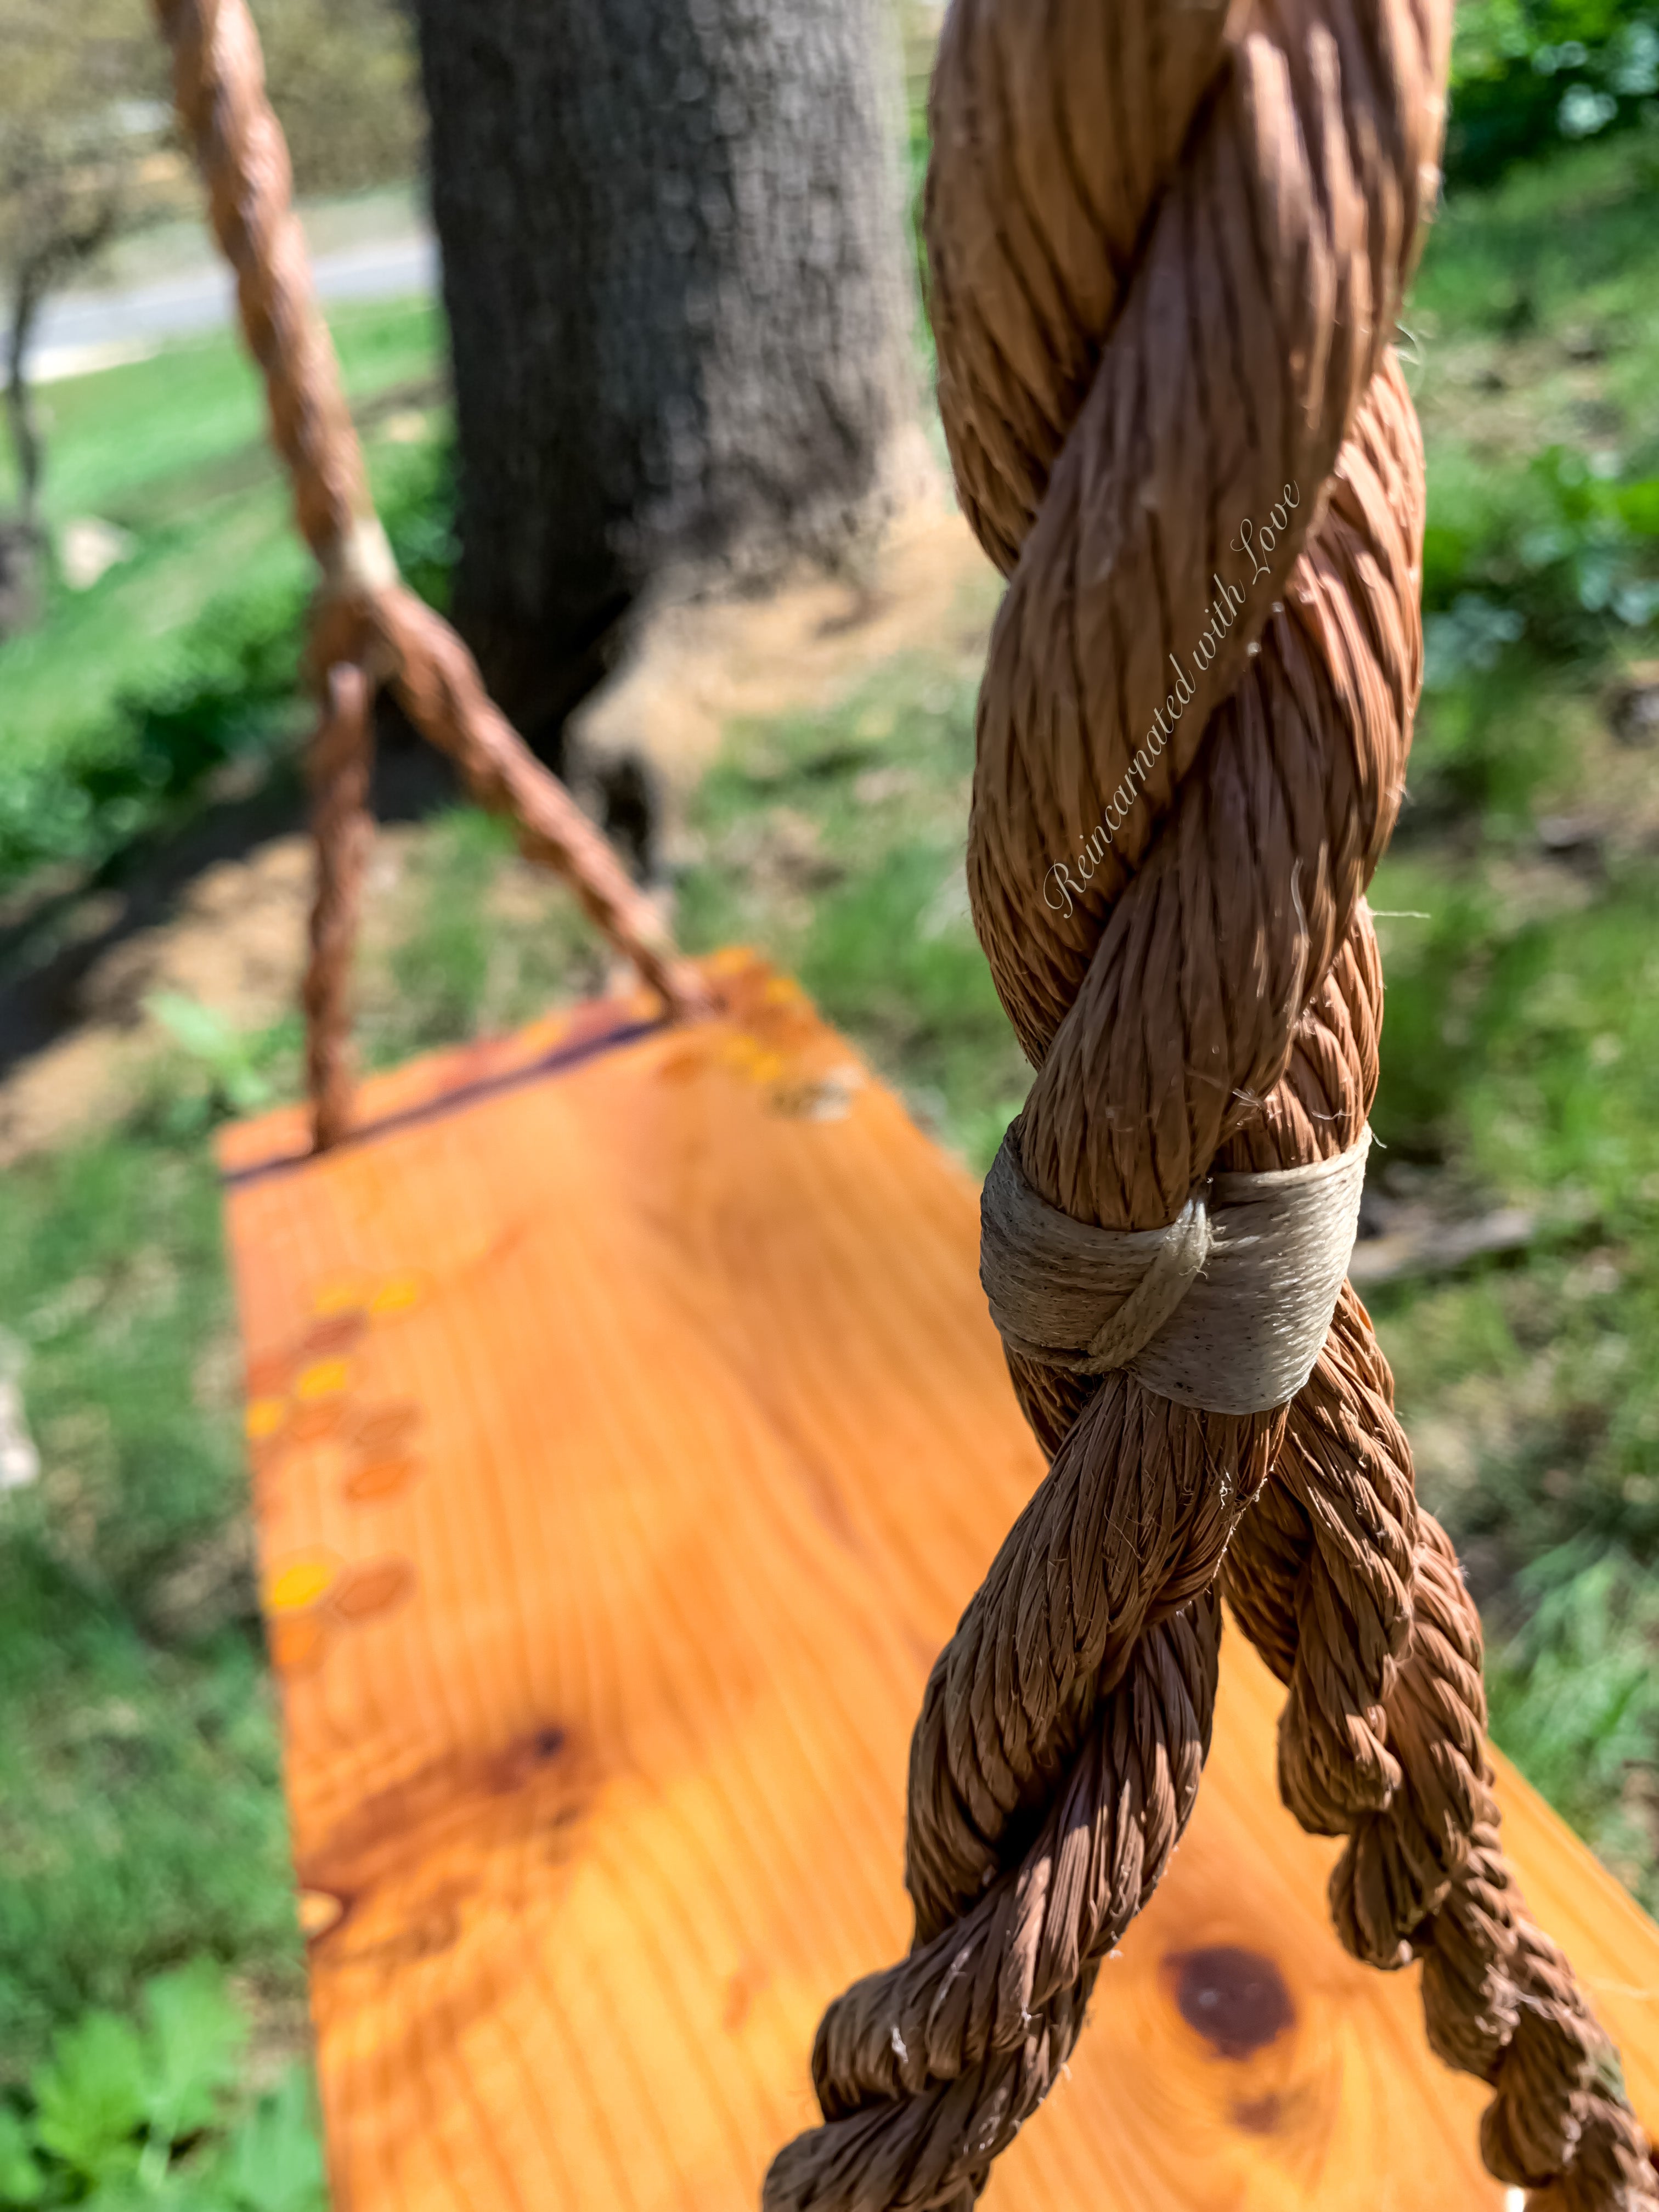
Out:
{"x": 183, "y": 652}
{"x": 139, "y": 1815}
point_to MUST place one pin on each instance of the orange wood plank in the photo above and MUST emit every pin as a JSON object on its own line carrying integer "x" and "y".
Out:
{"x": 627, "y": 1438}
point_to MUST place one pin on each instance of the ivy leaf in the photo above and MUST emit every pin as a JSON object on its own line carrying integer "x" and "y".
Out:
{"x": 275, "y": 2161}
{"x": 90, "y": 2097}
{"x": 222, "y": 1051}
{"x": 196, "y": 2036}
{"x": 131, "y": 2193}
{"x": 21, "y": 2181}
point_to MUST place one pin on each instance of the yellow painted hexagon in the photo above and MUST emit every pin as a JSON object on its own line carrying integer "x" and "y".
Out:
{"x": 301, "y": 1583}
{"x": 741, "y": 1051}
{"x": 324, "y": 1378}
{"x": 264, "y": 1416}
{"x": 398, "y": 1294}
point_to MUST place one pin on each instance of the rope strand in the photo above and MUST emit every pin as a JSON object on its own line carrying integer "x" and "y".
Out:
{"x": 1167, "y": 246}
{"x": 338, "y": 766}
{"x": 365, "y": 619}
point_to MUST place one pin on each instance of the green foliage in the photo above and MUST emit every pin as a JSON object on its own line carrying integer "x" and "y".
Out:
{"x": 487, "y": 941}
{"x": 274, "y": 2162}
{"x": 140, "y": 1819}
{"x": 1565, "y": 1038}
{"x": 1525, "y": 1048}
{"x": 1530, "y": 74}
{"x": 441, "y": 968}
{"x": 1564, "y": 552}
{"x": 224, "y": 690}
{"x": 1569, "y": 242}
{"x": 22, "y": 2179}
{"x": 833, "y": 841}
{"x": 232, "y": 1062}
{"x": 1521, "y": 1053}
{"x": 91, "y": 2098}
{"x": 228, "y": 691}
{"x": 344, "y": 84}
{"x": 1488, "y": 737}
{"x": 129, "y": 2113}
{"x": 1431, "y": 976}
{"x": 118, "y": 712}
{"x": 195, "y": 2044}
{"x": 892, "y": 957}
{"x": 1540, "y": 558}
{"x": 417, "y": 500}
{"x": 1576, "y": 1690}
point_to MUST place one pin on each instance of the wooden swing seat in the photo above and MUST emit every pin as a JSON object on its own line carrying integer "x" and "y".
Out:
{"x": 627, "y": 1433}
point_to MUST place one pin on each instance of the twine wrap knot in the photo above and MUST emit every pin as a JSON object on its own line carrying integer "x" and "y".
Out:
{"x": 1227, "y": 1308}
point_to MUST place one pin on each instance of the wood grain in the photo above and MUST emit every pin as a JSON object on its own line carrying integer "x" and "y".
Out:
{"x": 627, "y": 1433}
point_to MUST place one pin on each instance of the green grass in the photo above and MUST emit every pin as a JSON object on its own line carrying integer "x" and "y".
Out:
{"x": 123, "y": 439}
{"x": 127, "y": 696}
{"x": 483, "y": 942}
{"x": 1536, "y": 318}
{"x": 126, "y": 442}
{"x": 1520, "y": 1044}
{"x": 140, "y": 1819}
{"x": 1559, "y": 246}
{"x": 152, "y": 2110}
{"x": 836, "y": 841}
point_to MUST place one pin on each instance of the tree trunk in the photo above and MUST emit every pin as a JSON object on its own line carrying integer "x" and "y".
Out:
{"x": 20, "y": 400}
{"x": 679, "y": 304}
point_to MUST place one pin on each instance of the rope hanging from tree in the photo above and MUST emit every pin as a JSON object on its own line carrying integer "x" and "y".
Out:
{"x": 367, "y": 627}
{"x": 1167, "y": 245}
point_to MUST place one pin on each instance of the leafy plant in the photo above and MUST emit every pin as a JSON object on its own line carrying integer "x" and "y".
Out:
{"x": 1575, "y": 1693}
{"x": 274, "y": 2162}
{"x": 195, "y": 2045}
{"x": 91, "y": 2098}
{"x": 138, "y": 1759}
{"x": 230, "y": 690}
{"x": 230, "y": 1056}
{"x": 23, "y": 2179}
{"x": 126, "y": 2112}
{"x": 1527, "y": 74}
{"x": 1466, "y": 639}
{"x": 1563, "y": 551}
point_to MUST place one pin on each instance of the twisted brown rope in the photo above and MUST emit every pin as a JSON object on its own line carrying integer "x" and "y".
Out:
{"x": 339, "y": 766}
{"x": 1167, "y": 246}
{"x": 366, "y": 624}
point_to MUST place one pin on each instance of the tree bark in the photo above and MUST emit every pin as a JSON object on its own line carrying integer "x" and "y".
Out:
{"x": 679, "y": 304}
{"x": 26, "y": 442}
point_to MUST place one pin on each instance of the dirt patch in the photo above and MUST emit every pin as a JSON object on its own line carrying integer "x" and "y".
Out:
{"x": 235, "y": 944}
{"x": 697, "y": 667}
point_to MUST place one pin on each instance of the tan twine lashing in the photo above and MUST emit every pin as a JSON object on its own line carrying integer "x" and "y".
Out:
{"x": 1167, "y": 245}
{"x": 1226, "y": 1310}
{"x": 366, "y": 627}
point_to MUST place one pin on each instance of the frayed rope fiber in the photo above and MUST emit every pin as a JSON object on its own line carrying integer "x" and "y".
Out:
{"x": 1167, "y": 243}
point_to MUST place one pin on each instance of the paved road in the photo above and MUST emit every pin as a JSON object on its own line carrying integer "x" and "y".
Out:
{"x": 79, "y": 331}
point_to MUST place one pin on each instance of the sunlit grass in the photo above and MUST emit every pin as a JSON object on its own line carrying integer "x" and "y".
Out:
{"x": 173, "y": 453}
